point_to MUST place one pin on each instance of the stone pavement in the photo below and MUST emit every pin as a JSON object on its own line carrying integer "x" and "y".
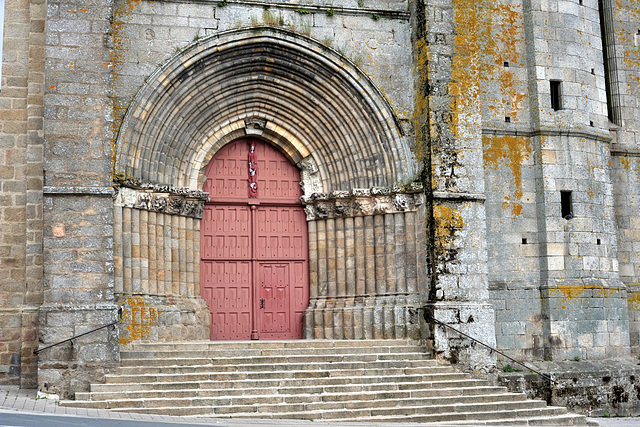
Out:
{"x": 27, "y": 401}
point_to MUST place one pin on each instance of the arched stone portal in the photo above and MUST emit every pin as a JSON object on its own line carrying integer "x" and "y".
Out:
{"x": 365, "y": 218}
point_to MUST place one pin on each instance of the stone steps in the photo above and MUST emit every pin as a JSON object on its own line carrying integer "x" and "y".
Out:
{"x": 364, "y": 380}
{"x": 162, "y": 359}
{"x": 291, "y": 403}
{"x": 178, "y": 367}
{"x": 417, "y": 374}
{"x": 345, "y": 392}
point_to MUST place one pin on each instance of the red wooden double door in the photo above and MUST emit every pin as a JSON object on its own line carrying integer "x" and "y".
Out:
{"x": 254, "y": 272}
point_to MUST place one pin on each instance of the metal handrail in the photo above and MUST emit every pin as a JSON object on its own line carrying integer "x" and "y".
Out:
{"x": 545, "y": 376}
{"x": 36, "y": 351}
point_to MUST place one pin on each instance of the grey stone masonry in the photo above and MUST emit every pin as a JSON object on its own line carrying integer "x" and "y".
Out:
{"x": 553, "y": 246}
{"x": 623, "y": 40}
{"x": 21, "y": 132}
{"x": 367, "y": 275}
{"x": 459, "y": 292}
{"x": 78, "y": 207}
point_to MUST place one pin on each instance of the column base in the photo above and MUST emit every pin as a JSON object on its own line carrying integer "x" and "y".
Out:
{"x": 162, "y": 318}
{"x": 474, "y": 319}
{"x": 382, "y": 317}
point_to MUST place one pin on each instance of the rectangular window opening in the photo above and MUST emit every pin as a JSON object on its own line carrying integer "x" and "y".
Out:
{"x": 556, "y": 94}
{"x": 566, "y": 204}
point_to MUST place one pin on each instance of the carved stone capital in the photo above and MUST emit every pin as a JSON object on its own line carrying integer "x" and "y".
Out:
{"x": 362, "y": 202}
{"x": 311, "y": 183}
{"x": 163, "y": 199}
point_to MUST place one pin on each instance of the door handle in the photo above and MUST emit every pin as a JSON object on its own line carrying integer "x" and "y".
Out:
{"x": 261, "y": 302}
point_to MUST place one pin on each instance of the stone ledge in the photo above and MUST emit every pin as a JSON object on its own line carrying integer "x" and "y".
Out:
{"x": 529, "y": 133}
{"x": 447, "y": 195}
{"x": 93, "y": 191}
{"x": 387, "y": 13}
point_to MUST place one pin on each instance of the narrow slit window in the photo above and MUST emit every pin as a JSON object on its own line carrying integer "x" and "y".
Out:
{"x": 566, "y": 204}
{"x": 556, "y": 94}
{"x": 608, "y": 37}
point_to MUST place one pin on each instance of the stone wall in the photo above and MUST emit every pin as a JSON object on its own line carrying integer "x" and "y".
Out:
{"x": 367, "y": 98}
{"x": 624, "y": 58}
{"x": 21, "y": 132}
{"x": 593, "y": 388}
{"x": 547, "y": 269}
{"x": 78, "y": 212}
{"x": 451, "y": 148}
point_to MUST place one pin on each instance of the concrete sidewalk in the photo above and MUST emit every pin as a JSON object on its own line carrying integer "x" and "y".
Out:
{"x": 15, "y": 399}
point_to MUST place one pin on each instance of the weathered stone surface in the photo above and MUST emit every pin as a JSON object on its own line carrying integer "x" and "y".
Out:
{"x": 442, "y": 177}
{"x": 593, "y": 388}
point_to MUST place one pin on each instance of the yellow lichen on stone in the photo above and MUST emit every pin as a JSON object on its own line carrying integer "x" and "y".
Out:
{"x": 632, "y": 52}
{"x": 465, "y": 73}
{"x": 634, "y": 298}
{"x": 510, "y": 151}
{"x": 421, "y": 113}
{"x": 448, "y": 222}
{"x": 575, "y": 293}
{"x": 138, "y": 319}
{"x": 120, "y": 42}
{"x": 626, "y": 162}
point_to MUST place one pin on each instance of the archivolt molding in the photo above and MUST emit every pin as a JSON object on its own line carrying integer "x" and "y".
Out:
{"x": 268, "y": 83}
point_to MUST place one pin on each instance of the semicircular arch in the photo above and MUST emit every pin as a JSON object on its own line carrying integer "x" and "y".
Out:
{"x": 297, "y": 93}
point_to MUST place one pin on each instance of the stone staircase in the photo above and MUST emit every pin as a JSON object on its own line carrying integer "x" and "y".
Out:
{"x": 364, "y": 380}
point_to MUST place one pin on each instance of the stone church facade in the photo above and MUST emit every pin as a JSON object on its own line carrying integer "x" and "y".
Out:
{"x": 476, "y": 162}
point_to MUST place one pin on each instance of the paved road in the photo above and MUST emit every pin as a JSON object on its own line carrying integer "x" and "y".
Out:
{"x": 19, "y": 419}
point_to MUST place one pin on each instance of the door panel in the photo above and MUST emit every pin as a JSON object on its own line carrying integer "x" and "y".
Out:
{"x": 281, "y": 233}
{"x": 227, "y": 289}
{"x": 274, "y": 290}
{"x": 225, "y": 232}
{"x": 254, "y": 250}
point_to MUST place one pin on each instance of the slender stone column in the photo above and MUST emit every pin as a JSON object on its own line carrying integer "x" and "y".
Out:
{"x": 126, "y": 250}
{"x": 136, "y": 285}
{"x": 365, "y": 250}
{"x": 144, "y": 251}
{"x": 160, "y": 296}
{"x": 118, "y": 250}
{"x": 153, "y": 256}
